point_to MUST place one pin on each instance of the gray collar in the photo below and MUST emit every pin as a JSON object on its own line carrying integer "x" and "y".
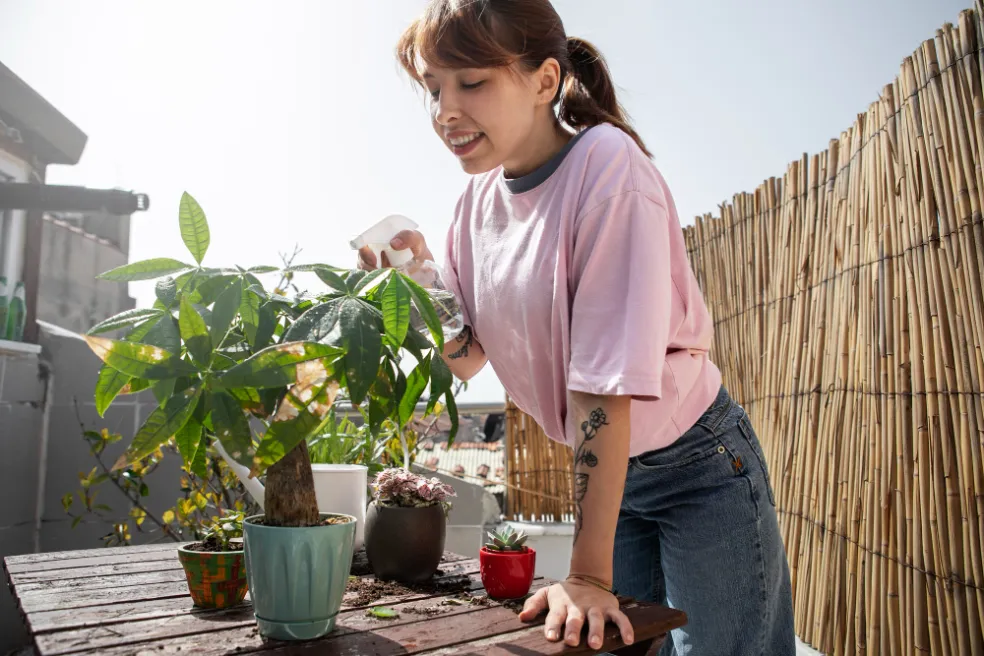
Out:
{"x": 533, "y": 180}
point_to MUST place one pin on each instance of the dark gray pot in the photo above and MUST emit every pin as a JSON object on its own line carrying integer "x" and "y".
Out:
{"x": 405, "y": 544}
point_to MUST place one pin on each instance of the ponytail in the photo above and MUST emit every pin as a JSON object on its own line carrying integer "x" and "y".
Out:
{"x": 588, "y": 94}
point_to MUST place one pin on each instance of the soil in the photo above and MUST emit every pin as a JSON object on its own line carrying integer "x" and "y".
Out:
{"x": 369, "y": 590}
{"x": 328, "y": 521}
{"x": 215, "y": 547}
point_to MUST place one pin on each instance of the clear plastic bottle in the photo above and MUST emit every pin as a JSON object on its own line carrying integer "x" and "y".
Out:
{"x": 425, "y": 273}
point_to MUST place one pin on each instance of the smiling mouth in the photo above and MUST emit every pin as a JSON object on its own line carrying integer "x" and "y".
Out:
{"x": 465, "y": 144}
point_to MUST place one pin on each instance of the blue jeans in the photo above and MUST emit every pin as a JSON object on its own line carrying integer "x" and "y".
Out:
{"x": 698, "y": 531}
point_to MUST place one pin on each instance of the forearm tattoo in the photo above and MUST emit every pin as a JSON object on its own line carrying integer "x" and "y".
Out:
{"x": 465, "y": 340}
{"x": 584, "y": 458}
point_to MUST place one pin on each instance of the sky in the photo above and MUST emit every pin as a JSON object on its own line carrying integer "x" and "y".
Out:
{"x": 292, "y": 125}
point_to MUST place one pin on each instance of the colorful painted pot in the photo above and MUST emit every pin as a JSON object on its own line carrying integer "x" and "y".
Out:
{"x": 216, "y": 579}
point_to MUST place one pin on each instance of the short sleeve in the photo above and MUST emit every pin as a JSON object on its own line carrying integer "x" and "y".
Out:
{"x": 621, "y": 282}
{"x": 450, "y": 271}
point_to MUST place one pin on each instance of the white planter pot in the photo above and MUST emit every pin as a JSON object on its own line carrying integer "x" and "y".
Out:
{"x": 342, "y": 489}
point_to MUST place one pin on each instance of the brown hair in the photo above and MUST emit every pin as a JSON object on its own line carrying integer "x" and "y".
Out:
{"x": 493, "y": 33}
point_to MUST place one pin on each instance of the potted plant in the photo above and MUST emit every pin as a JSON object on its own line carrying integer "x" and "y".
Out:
{"x": 214, "y": 566}
{"x": 406, "y": 525}
{"x": 256, "y": 373}
{"x": 507, "y": 564}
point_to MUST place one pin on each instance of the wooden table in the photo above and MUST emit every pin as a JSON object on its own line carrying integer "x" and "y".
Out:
{"x": 134, "y": 600}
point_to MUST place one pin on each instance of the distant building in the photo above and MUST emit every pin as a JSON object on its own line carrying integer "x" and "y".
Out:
{"x": 75, "y": 248}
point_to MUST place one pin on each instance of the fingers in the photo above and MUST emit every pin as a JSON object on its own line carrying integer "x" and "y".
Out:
{"x": 534, "y": 605}
{"x": 413, "y": 240}
{"x": 596, "y": 627}
{"x": 554, "y": 626}
{"x": 624, "y": 625}
{"x": 575, "y": 622}
{"x": 367, "y": 259}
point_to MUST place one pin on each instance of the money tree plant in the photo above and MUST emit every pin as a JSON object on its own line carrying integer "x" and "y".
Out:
{"x": 258, "y": 370}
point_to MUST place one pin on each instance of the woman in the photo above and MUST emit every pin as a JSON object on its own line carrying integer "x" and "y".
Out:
{"x": 569, "y": 263}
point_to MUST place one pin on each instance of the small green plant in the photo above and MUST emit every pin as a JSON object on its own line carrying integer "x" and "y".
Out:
{"x": 223, "y": 530}
{"x": 506, "y": 539}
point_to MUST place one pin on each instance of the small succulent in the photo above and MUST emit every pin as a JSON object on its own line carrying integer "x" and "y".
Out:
{"x": 223, "y": 530}
{"x": 507, "y": 539}
{"x": 399, "y": 487}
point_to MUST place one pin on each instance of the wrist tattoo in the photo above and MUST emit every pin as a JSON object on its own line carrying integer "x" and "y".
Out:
{"x": 585, "y": 458}
{"x": 465, "y": 340}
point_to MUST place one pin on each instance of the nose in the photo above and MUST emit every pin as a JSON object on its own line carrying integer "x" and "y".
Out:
{"x": 445, "y": 108}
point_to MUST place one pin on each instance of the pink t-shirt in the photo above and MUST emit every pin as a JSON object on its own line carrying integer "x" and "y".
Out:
{"x": 576, "y": 277}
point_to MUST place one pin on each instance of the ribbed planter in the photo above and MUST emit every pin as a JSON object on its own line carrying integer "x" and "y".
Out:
{"x": 216, "y": 579}
{"x": 297, "y": 576}
{"x": 405, "y": 544}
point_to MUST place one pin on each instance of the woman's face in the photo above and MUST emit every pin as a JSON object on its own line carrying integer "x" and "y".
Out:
{"x": 485, "y": 116}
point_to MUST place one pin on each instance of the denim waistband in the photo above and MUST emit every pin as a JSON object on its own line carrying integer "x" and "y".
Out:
{"x": 720, "y": 409}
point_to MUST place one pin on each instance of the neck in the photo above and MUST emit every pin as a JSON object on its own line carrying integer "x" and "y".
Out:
{"x": 542, "y": 144}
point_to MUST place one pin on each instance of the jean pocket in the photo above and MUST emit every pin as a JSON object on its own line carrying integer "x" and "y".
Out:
{"x": 688, "y": 450}
{"x": 747, "y": 432}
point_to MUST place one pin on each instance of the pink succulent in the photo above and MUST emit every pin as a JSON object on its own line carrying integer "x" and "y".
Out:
{"x": 399, "y": 487}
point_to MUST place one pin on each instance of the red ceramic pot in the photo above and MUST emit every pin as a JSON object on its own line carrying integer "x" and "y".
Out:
{"x": 507, "y": 574}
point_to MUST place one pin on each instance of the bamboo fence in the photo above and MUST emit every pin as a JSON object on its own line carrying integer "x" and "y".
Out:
{"x": 849, "y": 321}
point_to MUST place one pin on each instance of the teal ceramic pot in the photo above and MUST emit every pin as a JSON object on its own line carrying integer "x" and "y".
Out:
{"x": 297, "y": 576}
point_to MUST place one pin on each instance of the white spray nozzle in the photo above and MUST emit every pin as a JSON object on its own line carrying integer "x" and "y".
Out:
{"x": 377, "y": 239}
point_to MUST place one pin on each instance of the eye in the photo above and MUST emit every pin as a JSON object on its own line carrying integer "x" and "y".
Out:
{"x": 473, "y": 85}
{"x": 434, "y": 93}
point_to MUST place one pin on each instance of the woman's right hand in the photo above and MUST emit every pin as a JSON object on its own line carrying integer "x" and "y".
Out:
{"x": 411, "y": 239}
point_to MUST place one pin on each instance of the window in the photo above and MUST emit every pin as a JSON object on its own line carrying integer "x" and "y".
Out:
{"x": 13, "y": 231}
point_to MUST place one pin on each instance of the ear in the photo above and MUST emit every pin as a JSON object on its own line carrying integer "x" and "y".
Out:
{"x": 547, "y": 80}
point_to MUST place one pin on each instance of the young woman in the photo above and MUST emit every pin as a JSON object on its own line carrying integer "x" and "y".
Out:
{"x": 569, "y": 263}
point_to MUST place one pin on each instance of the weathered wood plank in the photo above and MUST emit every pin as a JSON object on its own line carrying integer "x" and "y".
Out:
{"x": 93, "y": 560}
{"x": 53, "y": 556}
{"x": 650, "y": 621}
{"x": 70, "y": 586}
{"x": 189, "y": 624}
{"x": 58, "y": 619}
{"x": 114, "y": 569}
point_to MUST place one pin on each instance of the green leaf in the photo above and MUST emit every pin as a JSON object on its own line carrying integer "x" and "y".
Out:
{"x": 362, "y": 343}
{"x": 66, "y": 500}
{"x": 108, "y": 386}
{"x": 231, "y": 426}
{"x": 139, "y": 360}
{"x": 125, "y": 318}
{"x": 194, "y": 227}
{"x": 366, "y": 282}
{"x": 319, "y": 324}
{"x": 136, "y": 385}
{"x": 262, "y": 269}
{"x": 187, "y": 439}
{"x": 383, "y": 613}
{"x": 224, "y": 311}
{"x": 75, "y": 522}
{"x": 162, "y": 423}
{"x": 452, "y": 407}
{"x": 332, "y": 279}
{"x": 163, "y": 390}
{"x": 249, "y": 311}
{"x": 268, "y": 323}
{"x": 194, "y": 332}
{"x": 440, "y": 383}
{"x": 166, "y": 289}
{"x": 425, "y": 305}
{"x": 283, "y": 436}
{"x": 165, "y": 334}
{"x": 416, "y": 383}
{"x": 144, "y": 270}
{"x": 396, "y": 310}
{"x": 208, "y": 291}
{"x": 198, "y": 464}
{"x": 416, "y": 344}
{"x": 276, "y": 366}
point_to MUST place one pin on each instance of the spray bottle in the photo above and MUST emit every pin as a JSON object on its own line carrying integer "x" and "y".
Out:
{"x": 426, "y": 273}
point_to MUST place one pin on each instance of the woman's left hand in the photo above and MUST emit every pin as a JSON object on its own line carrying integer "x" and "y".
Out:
{"x": 573, "y": 603}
